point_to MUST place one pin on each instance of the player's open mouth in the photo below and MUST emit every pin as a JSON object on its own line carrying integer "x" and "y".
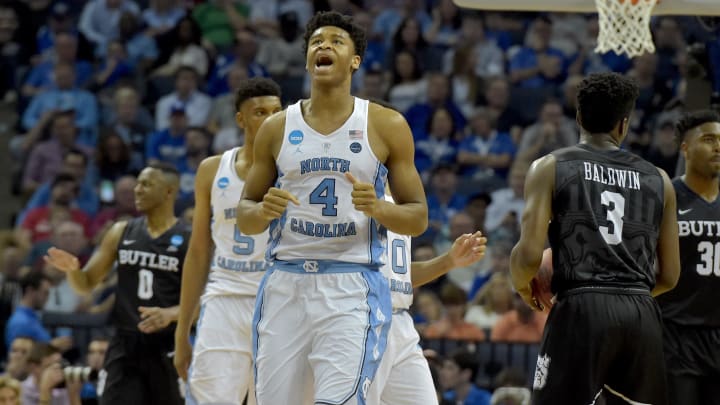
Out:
{"x": 323, "y": 62}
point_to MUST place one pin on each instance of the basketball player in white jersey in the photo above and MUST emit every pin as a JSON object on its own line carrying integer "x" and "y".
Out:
{"x": 318, "y": 181}
{"x": 221, "y": 368}
{"x": 404, "y": 376}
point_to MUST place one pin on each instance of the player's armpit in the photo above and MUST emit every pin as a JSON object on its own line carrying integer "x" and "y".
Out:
{"x": 527, "y": 254}
{"x": 668, "y": 249}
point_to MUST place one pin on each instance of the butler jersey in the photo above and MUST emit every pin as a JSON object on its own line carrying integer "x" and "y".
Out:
{"x": 607, "y": 209}
{"x": 312, "y": 166}
{"x": 693, "y": 301}
{"x": 238, "y": 263}
{"x": 149, "y": 271}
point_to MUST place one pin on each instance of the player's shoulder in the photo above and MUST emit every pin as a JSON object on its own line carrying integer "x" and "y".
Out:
{"x": 275, "y": 121}
{"x": 384, "y": 113}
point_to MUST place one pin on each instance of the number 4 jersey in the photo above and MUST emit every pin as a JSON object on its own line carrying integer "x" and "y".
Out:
{"x": 693, "y": 301}
{"x": 149, "y": 271}
{"x": 607, "y": 208}
{"x": 312, "y": 166}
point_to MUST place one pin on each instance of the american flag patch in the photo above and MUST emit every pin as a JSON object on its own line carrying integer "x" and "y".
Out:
{"x": 355, "y": 134}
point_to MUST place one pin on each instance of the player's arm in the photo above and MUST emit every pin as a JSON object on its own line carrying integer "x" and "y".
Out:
{"x": 409, "y": 214}
{"x": 260, "y": 202}
{"x": 668, "y": 249}
{"x": 465, "y": 250}
{"x": 196, "y": 265}
{"x": 96, "y": 269}
{"x": 527, "y": 254}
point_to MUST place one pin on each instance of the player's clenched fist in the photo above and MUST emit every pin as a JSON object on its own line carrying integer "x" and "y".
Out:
{"x": 363, "y": 196}
{"x": 275, "y": 202}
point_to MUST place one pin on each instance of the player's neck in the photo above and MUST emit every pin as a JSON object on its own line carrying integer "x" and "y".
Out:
{"x": 600, "y": 141}
{"x": 329, "y": 101}
{"x": 160, "y": 219}
{"x": 244, "y": 160}
{"x": 705, "y": 187}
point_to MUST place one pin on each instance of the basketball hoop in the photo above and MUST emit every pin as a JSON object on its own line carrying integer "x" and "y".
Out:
{"x": 625, "y": 26}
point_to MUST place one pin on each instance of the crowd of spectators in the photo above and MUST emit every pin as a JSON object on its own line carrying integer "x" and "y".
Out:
{"x": 104, "y": 87}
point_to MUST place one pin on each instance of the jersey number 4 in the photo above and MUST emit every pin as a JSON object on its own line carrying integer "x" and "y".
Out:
{"x": 615, "y": 204}
{"x": 324, "y": 194}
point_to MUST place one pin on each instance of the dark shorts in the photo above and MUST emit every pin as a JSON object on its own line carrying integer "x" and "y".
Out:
{"x": 136, "y": 375}
{"x": 692, "y": 354}
{"x": 599, "y": 340}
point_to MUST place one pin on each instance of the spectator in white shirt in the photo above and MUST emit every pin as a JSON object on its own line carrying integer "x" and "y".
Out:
{"x": 197, "y": 104}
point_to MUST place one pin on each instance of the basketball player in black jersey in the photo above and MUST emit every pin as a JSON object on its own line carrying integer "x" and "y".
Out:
{"x": 691, "y": 314}
{"x": 148, "y": 254}
{"x": 607, "y": 214}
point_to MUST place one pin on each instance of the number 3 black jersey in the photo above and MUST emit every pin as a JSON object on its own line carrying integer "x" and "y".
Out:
{"x": 607, "y": 209}
{"x": 694, "y": 301}
{"x": 149, "y": 271}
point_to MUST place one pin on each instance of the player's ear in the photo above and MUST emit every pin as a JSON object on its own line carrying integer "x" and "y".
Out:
{"x": 239, "y": 120}
{"x": 356, "y": 61}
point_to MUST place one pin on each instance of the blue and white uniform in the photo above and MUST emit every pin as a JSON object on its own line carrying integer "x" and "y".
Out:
{"x": 404, "y": 375}
{"x": 323, "y": 310}
{"x": 221, "y": 371}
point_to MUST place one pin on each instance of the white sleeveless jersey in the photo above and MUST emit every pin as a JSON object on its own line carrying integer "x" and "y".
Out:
{"x": 397, "y": 269}
{"x": 312, "y": 166}
{"x": 238, "y": 263}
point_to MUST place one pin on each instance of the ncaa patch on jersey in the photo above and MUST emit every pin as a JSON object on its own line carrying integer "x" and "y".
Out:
{"x": 295, "y": 137}
{"x": 176, "y": 240}
{"x": 355, "y": 147}
{"x": 223, "y": 182}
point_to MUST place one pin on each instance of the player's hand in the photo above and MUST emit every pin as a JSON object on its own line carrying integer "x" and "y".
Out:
{"x": 467, "y": 249}
{"x": 62, "y": 260}
{"x": 183, "y": 355}
{"x": 154, "y": 319}
{"x": 275, "y": 202}
{"x": 526, "y": 293}
{"x": 363, "y": 196}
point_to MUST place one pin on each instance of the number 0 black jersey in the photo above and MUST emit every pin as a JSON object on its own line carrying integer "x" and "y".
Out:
{"x": 607, "y": 209}
{"x": 149, "y": 271}
{"x": 694, "y": 300}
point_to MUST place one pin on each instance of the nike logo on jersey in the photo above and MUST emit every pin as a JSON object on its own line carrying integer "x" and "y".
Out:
{"x": 683, "y": 212}
{"x": 127, "y": 242}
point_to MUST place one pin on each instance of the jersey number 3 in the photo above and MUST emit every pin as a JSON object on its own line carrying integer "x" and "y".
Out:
{"x": 615, "y": 204}
{"x": 710, "y": 256}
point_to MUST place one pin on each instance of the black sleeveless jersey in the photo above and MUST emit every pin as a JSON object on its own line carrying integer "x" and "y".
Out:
{"x": 607, "y": 208}
{"x": 693, "y": 300}
{"x": 149, "y": 272}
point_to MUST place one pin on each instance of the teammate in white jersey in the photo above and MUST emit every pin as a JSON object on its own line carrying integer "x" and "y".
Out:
{"x": 318, "y": 180}
{"x": 221, "y": 369}
{"x": 404, "y": 376}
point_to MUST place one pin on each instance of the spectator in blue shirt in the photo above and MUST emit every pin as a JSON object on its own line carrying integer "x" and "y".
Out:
{"x": 443, "y": 200}
{"x": 168, "y": 145}
{"x": 25, "y": 321}
{"x": 245, "y": 49}
{"x": 41, "y": 76}
{"x": 197, "y": 148}
{"x": 538, "y": 65}
{"x": 486, "y": 152}
{"x": 439, "y": 146}
{"x": 438, "y": 95}
{"x": 66, "y": 97}
{"x": 457, "y": 374}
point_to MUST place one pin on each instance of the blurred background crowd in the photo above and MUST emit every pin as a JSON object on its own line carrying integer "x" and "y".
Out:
{"x": 91, "y": 91}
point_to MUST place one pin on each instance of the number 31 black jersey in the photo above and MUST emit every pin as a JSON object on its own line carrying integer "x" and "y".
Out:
{"x": 607, "y": 208}
{"x": 694, "y": 300}
{"x": 149, "y": 271}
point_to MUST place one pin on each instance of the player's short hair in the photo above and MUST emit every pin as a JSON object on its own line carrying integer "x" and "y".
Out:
{"x": 604, "y": 99}
{"x": 335, "y": 19}
{"x": 32, "y": 280}
{"x": 694, "y": 119}
{"x": 255, "y": 87}
{"x": 466, "y": 360}
{"x": 170, "y": 172}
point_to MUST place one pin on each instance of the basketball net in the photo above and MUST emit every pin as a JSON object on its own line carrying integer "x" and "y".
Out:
{"x": 625, "y": 26}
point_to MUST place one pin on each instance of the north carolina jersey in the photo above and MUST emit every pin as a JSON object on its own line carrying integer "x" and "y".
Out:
{"x": 238, "y": 262}
{"x": 312, "y": 166}
{"x": 397, "y": 268}
{"x": 692, "y": 301}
